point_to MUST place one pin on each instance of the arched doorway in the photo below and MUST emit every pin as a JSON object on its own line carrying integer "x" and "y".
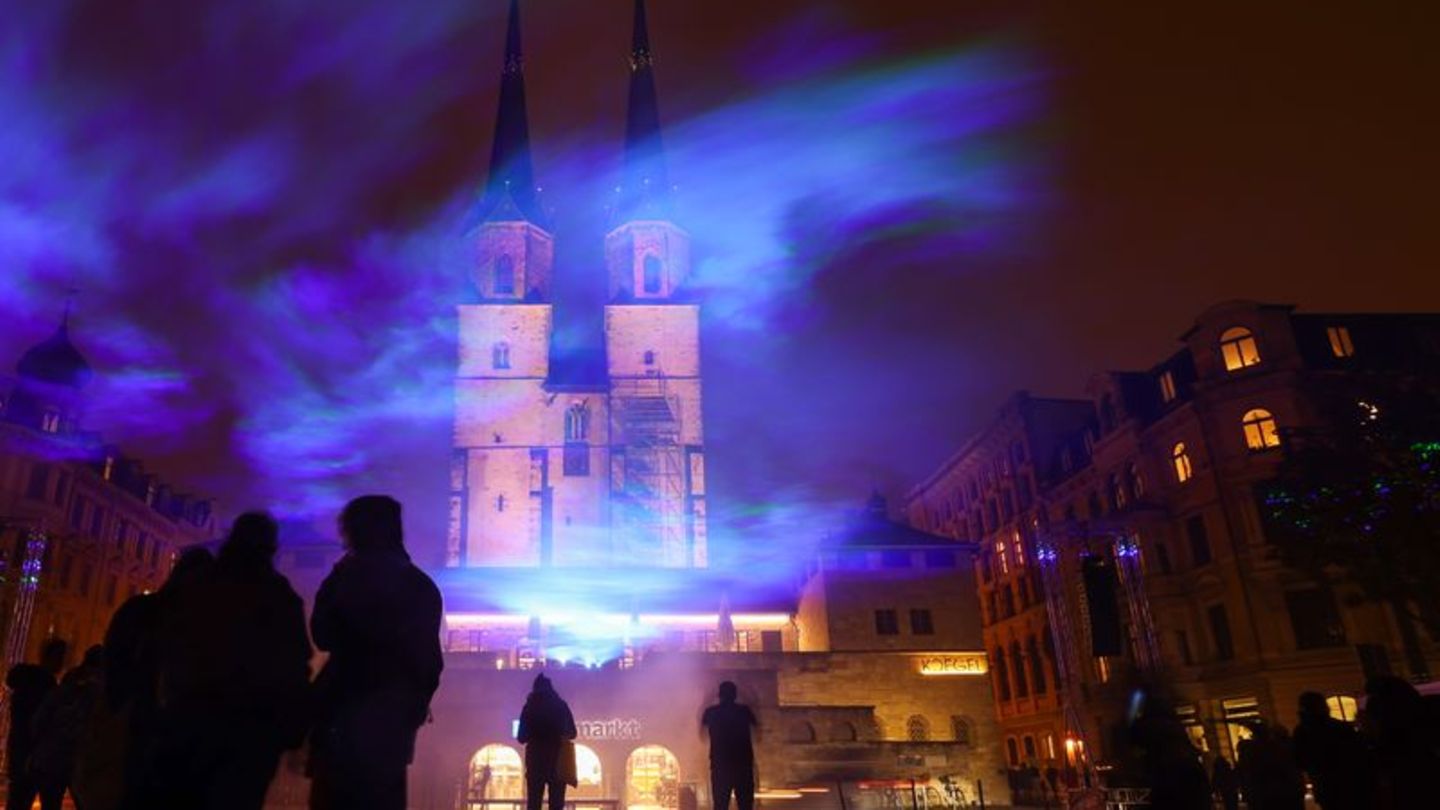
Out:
{"x": 652, "y": 779}
{"x": 496, "y": 772}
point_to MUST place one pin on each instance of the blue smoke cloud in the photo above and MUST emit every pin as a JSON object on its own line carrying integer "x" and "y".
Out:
{"x": 260, "y": 204}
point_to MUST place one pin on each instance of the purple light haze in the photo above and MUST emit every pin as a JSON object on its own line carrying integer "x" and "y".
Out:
{"x": 263, "y": 224}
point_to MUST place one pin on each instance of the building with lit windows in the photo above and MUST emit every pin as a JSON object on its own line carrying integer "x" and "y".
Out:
{"x": 1150, "y": 544}
{"x": 82, "y": 526}
{"x": 578, "y": 544}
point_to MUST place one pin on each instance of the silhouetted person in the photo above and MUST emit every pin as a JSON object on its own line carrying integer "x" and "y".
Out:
{"x": 61, "y": 721}
{"x": 732, "y": 751}
{"x": 1400, "y": 728}
{"x": 132, "y": 662}
{"x": 29, "y": 685}
{"x": 234, "y": 673}
{"x": 379, "y": 618}
{"x": 546, "y": 726}
{"x": 1268, "y": 773}
{"x": 1334, "y": 755}
{"x": 1225, "y": 783}
{"x": 1170, "y": 763}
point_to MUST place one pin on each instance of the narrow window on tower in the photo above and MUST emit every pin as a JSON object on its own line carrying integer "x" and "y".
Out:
{"x": 652, "y": 268}
{"x": 504, "y": 275}
{"x": 1167, "y": 387}
{"x": 500, "y": 355}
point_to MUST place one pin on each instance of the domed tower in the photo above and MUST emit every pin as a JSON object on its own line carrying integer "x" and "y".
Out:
{"x": 51, "y": 376}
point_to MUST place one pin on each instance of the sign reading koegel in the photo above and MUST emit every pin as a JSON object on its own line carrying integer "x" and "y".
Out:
{"x": 952, "y": 663}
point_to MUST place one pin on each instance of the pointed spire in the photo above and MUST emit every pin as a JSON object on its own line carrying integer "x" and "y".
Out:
{"x": 510, "y": 192}
{"x": 646, "y": 188}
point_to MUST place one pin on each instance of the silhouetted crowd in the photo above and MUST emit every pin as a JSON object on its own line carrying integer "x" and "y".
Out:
{"x": 1387, "y": 763}
{"x": 203, "y": 685}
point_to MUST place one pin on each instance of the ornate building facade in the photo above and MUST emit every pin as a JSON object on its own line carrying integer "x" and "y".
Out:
{"x": 82, "y": 526}
{"x": 1143, "y": 555}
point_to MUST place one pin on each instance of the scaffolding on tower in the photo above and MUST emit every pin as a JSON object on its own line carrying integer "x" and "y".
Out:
{"x": 649, "y": 480}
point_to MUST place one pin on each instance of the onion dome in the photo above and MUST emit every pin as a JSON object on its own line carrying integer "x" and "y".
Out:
{"x": 55, "y": 361}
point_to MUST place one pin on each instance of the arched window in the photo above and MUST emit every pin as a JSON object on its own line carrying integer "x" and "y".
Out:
{"x": 648, "y": 358}
{"x": 577, "y": 423}
{"x": 1238, "y": 348}
{"x": 961, "y": 728}
{"x": 1002, "y": 673}
{"x": 1022, "y": 683}
{"x": 1119, "y": 496}
{"x": 652, "y": 274}
{"x": 500, "y": 355}
{"x": 841, "y": 731}
{"x": 496, "y": 773}
{"x": 917, "y": 729}
{"x": 1136, "y": 480}
{"x": 1037, "y": 666}
{"x": 504, "y": 275}
{"x": 800, "y": 732}
{"x": 652, "y": 779}
{"x": 1180, "y": 457}
{"x": 1260, "y": 431}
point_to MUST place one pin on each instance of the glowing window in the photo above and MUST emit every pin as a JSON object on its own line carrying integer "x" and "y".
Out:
{"x": 1018, "y": 544}
{"x": 50, "y": 422}
{"x": 1260, "y": 430}
{"x": 500, "y": 355}
{"x": 496, "y": 772}
{"x": 1000, "y": 557}
{"x": 652, "y": 779}
{"x": 917, "y": 729}
{"x": 652, "y": 274}
{"x": 1180, "y": 458}
{"x": 1340, "y": 344}
{"x": 1342, "y": 707}
{"x": 1167, "y": 387}
{"x": 504, "y": 275}
{"x": 1238, "y": 347}
{"x": 588, "y": 772}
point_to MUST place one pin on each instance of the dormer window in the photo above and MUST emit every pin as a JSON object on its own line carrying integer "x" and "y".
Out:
{"x": 651, "y": 271}
{"x": 500, "y": 355}
{"x": 504, "y": 275}
{"x": 1167, "y": 387}
{"x": 1239, "y": 349}
{"x": 649, "y": 358}
{"x": 1340, "y": 344}
{"x": 50, "y": 421}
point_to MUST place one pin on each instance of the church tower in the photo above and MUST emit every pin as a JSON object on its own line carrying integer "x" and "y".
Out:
{"x": 499, "y": 470}
{"x": 652, "y": 347}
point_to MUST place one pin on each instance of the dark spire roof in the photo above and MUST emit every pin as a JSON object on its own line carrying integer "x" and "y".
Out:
{"x": 55, "y": 360}
{"x": 510, "y": 192}
{"x": 645, "y": 192}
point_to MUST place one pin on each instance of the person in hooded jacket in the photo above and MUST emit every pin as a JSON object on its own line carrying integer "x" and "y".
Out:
{"x": 233, "y": 675}
{"x": 378, "y": 616}
{"x": 547, "y": 729}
